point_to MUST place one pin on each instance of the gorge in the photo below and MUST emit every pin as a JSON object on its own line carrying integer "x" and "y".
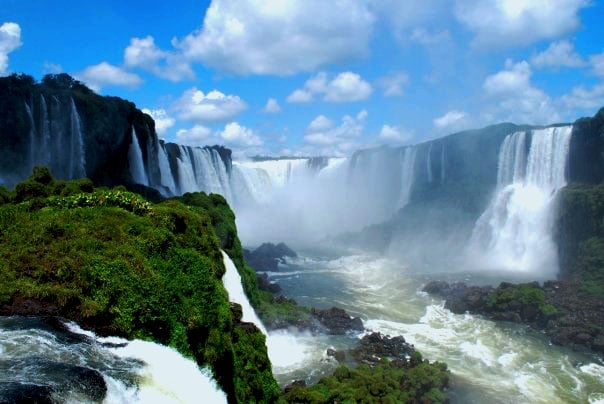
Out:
{"x": 506, "y": 202}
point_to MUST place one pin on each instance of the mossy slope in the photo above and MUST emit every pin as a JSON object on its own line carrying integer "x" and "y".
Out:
{"x": 116, "y": 263}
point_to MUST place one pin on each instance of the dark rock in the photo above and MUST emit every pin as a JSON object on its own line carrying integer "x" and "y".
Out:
{"x": 236, "y": 312}
{"x": 337, "y": 321}
{"x": 266, "y": 285}
{"x": 282, "y": 299}
{"x": 340, "y": 356}
{"x": 25, "y": 393}
{"x": 375, "y": 346}
{"x": 268, "y": 256}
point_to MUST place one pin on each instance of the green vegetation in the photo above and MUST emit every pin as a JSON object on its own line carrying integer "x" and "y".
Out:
{"x": 116, "y": 263}
{"x": 581, "y": 237}
{"x": 502, "y": 298}
{"x": 389, "y": 382}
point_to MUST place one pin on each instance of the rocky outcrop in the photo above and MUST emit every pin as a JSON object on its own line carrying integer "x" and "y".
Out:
{"x": 267, "y": 257}
{"x": 374, "y": 347}
{"x": 337, "y": 321}
{"x": 563, "y": 310}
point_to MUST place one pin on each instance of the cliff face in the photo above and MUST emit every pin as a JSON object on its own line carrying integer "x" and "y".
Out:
{"x": 62, "y": 124}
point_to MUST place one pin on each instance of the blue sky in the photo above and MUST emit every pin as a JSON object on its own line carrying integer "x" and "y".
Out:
{"x": 340, "y": 75}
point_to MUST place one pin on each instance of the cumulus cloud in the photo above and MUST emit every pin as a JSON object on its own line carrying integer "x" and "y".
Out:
{"x": 238, "y": 135}
{"x": 345, "y": 87}
{"x": 396, "y": 134}
{"x": 105, "y": 74}
{"x": 143, "y": 53}
{"x": 322, "y": 136}
{"x": 163, "y": 121}
{"x": 427, "y": 38}
{"x": 53, "y": 68}
{"x": 505, "y": 23}
{"x": 558, "y": 54}
{"x": 214, "y": 106}
{"x": 451, "y": 120}
{"x": 403, "y": 16}
{"x": 516, "y": 99}
{"x": 285, "y": 37}
{"x": 198, "y": 135}
{"x": 272, "y": 106}
{"x": 392, "y": 85}
{"x": 10, "y": 39}
{"x": 597, "y": 64}
{"x": 582, "y": 98}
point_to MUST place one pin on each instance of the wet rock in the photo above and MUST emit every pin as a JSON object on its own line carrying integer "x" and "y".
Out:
{"x": 337, "y": 321}
{"x": 375, "y": 346}
{"x": 268, "y": 256}
{"x": 25, "y": 393}
{"x": 340, "y": 356}
{"x": 266, "y": 285}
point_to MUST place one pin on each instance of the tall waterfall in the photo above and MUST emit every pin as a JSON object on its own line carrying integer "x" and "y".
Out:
{"x": 442, "y": 163}
{"x": 429, "y": 163}
{"x": 167, "y": 179}
{"x": 135, "y": 160}
{"x": 232, "y": 283}
{"x": 515, "y": 232}
{"x": 32, "y": 137}
{"x": 407, "y": 175}
{"x": 77, "y": 161}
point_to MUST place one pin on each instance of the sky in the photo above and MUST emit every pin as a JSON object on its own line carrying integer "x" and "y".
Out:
{"x": 316, "y": 77}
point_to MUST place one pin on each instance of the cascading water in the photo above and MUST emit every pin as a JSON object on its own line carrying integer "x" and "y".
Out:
{"x": 135, "y": 160}
{"x": 429, "y": 163}
{"x": 166, "y": 178}
{"x": 442, "y": 163}
{"x": 407, "y": 175}
{"x": 64, "y": 363}
{"x": 45, "y": 132}
{"x": 77, "y": 160}
{"x": 286, "y": 351}
{"x": 515, "y": 232}
{"x": 32, "y": 136}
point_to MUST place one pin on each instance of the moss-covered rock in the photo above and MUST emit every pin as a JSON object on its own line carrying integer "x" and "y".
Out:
{"x": 115, "y": 263}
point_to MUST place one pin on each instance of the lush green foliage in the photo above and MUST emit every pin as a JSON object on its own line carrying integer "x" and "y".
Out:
{"x": 114, "y": 262}
{"x": 416, "y": 382}
{"x": 525, "y": 294}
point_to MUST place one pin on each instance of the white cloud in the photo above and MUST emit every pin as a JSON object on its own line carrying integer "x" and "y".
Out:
{"x": 198, "y": 135}
{"x": 345, "y": 87}
{"x": 403, "y": 16}
{"x": 584, "y": 99}
{"x": 558, "y": 54}
{"x": 237, "y": 135}
{"x": 392, "y": 84}
{"x": 396, "y": 134}
{"x": 516, "y": 99}
{"x": 214, "y": 106}
{"x": 10, "y": 39}
{"x": 504, "y": 23}
{"x": 144, "y": 54}
{"x": 325, "y": 138}
{"x": 283, "y": 37}
{"x": 597, "y": 64}
{"x": 105, "y": 74}
{"x": 299, "y": 96}
{"x": 53, "y": 68}
{"x": 163, "y": 121}
{"x": 272, "y": 106}
{"x": 427, "y": 38}
{"x": 451, "y": 119}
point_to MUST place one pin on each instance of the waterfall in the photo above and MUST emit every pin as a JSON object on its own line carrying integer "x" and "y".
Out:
{"x": 77, "y": 160}
{"x": 166, "y": 178}
{"x": 32, "y": 137}
{"x": 73, "y": 365}
{"x": 429, "y": 163}
{"x": 232, "y": 283}
{"x": 135, "y": 160}
{"x": 407, "y": 175}
{"x": 442, "y": 163}
{"x": 515, "y": 232}
{"x": 45, "y": 132}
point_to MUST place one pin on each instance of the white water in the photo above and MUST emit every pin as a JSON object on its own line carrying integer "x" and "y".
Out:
{"x": 429, "y": 163}
{"x": 135, "y": 159}
{"x": 515, "y": 232}
{"x": 442, "y": 163}
{"x": 32, "y": 136}
{"x": 167, "y": 180}
{"x": 407, "y": 175}
{"x": 77, "y": 160}
{"x": 490, "y": 362}
{"x": 288, "y": 352}
{"x": 134, "y": 371}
